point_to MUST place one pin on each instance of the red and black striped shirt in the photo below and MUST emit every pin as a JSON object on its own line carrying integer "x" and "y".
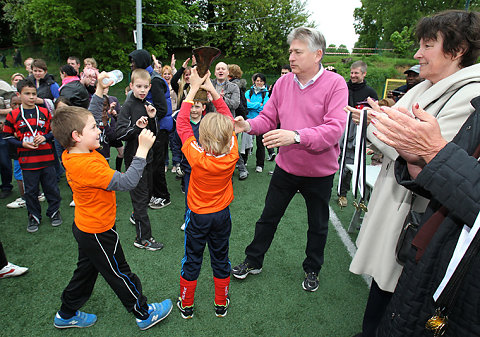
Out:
{"x": 24, "y": 128}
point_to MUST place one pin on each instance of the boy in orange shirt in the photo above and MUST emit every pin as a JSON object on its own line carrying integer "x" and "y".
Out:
{"x": 93, "y": 184}
{"x": 210, "y": 192}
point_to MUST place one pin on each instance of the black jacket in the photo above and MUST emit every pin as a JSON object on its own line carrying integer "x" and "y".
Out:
{"x": 43, "y": 90}
{"x": 128, "y": 131}
{"x": 76, "y": 93}
{"x": 156, "y": 95}
{"x": 451, "y": 179}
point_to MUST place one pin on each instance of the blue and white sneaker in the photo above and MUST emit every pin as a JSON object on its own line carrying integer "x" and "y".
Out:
{"x": 80, "y": 320}
{"x": 157, "y": 312}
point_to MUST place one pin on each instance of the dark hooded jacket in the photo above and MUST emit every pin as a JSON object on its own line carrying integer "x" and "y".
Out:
{"x": 158, "y": 92}
{"x": 44, "y": 89}
{"x": 451, "y": 179}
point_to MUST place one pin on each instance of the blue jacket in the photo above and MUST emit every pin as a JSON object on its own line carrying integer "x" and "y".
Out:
{"x": 255, "y": 102}
{"x": 165, "y": 123}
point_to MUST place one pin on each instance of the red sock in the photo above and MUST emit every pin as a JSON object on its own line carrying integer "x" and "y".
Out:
{"x": 187, "y": 292}
{"x": 221, "y": 290}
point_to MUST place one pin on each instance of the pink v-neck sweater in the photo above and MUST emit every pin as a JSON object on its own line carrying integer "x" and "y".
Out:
{"x": 316, "y": 112}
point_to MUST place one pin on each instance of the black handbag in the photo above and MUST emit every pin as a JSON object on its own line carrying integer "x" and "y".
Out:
{"x": 410, "y": 229}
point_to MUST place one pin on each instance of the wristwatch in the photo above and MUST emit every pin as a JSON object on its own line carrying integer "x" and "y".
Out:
{"x": 296, "y": 138}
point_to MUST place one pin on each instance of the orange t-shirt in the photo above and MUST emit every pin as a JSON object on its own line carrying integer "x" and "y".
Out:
{"x": 210, "y": 188}
{"x": 89, "y": 175}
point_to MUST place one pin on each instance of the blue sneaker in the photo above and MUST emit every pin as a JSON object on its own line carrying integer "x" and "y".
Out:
{"x": 157, "y": 312}
{"x": 80, "y": 320}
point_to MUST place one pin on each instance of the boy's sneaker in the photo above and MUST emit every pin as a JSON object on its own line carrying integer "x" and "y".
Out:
{"x": 149, "y": 244}
{"x": 259, "y": 169}
{"x": 41, "y": 197}
{"x": 186, "y": 312}
{"x": 243, "y": 175}
{"x": 221, "y": 310}
{"x": 271, "y": 156}
{"x": 17, "y": 203}
{"x": 33, "y": 224}
{"x": 132, "y": 219}
{"x": 157, "y": 312}
{"x": 152, "y": 199}
{"x": 56, "y": 219}
{"x": 243, "y": 269}
{"x": 80, "y": 320}
{"x": 179, "y": 172}
{"x": 160, "y": 203}
{"x": 12, "y": 270}
{"x": 311, "y": 281}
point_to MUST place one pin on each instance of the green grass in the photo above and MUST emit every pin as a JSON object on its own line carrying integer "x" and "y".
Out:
{"x": 272, "y": 303}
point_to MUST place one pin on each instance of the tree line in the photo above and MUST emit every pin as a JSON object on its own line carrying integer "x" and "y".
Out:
{"x": 390, "y": 23}
{"x": 255, "y": 29}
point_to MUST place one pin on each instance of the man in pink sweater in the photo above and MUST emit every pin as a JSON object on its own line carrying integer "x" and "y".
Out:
{"x": 308, "y": 103}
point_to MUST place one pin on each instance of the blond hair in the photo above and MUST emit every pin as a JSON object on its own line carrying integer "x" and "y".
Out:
{"x": 66, "y": 120}
{"x": 216, "y": 132}
{"x": 166, "y": 68}
{"x": 181, "y": 85}
{"x": 235, "y": 71}
{"x": 141, "y": 74}
{"x": 90, "y": 60}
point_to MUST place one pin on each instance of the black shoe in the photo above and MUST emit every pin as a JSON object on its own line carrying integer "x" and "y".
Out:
{"x": 149, "y": 244}
{"x": 311, "y": 281}
{"x": 243, "y": 269}
{"x": 56, "y": 219}
{"x": 221, "y": 310}
{"x": 5, "y": 194}
{"x": 33, "y": 224}
{"x": 186, "y": 312}
{"x": 159, "y": 203}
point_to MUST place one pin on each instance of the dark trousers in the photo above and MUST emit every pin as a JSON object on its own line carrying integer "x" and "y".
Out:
{"x": 283, "y": 186}
{"x": 3, "y": 257}
{"x": 259, "y": 153}
{"x": 200, "y": 229}
{"x": 176, "y": 155}
{"x": 57, "y": 151}
{"x": 6, "y": 171}
{"x": 140, "y": 199}
{"x": 186, "y": 182}
{"x": 378, "y": 300}
{"x": 102, "y": 253}
{"x": 158, "y": 188}
{"x": 48, "y": 178}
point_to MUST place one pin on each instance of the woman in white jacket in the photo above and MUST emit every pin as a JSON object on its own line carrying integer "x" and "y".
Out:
{"x": 449, "y": 47}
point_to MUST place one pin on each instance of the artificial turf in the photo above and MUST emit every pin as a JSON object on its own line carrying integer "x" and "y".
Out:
{"x": 272, "y": 303}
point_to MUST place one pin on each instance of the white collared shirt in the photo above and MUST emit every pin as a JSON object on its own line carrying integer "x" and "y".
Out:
{"x": 320, "y": 72}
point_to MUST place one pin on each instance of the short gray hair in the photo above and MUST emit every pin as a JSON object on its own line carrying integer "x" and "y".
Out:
{"x": 312, "y": 37}
{"x": 359, "y": 64}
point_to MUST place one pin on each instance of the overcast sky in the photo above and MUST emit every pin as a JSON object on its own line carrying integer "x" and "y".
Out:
{"x": 334, "y": 18}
